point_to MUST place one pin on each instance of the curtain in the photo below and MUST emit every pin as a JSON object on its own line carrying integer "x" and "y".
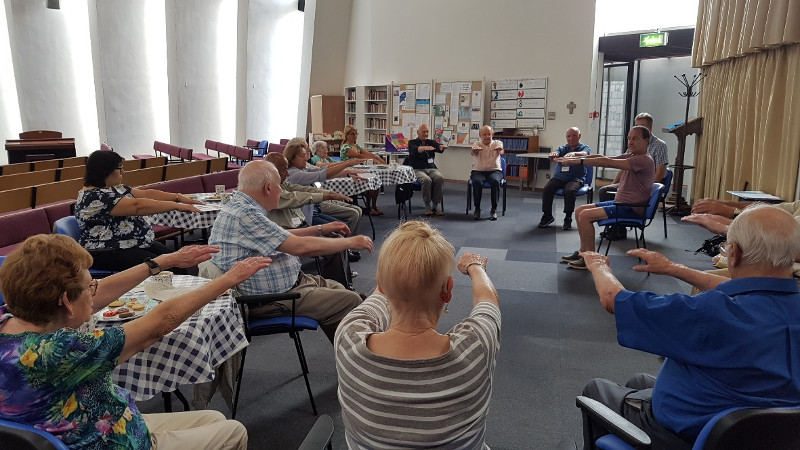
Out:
{"x": 751, "y": 121}
{"x": 732, "y": 28}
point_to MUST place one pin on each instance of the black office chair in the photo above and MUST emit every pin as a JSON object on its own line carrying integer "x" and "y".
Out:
{"x": 20, "y": 436}
{"x": 320, "y": 435}
{"x": 291, "y": 324}
{"x": 732, "y": 429}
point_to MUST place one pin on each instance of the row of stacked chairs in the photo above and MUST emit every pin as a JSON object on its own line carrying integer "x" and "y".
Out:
{"x": 19, "y": 225}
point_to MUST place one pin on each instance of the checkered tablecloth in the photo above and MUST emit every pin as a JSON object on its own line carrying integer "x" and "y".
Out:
{"x": 388, "y": 175}
{"x": 348, "y": 186}
{"x": 189, "y": 353}
{"x": 180, "y": 219}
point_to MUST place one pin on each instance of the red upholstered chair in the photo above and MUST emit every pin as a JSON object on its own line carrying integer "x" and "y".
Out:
{"x": 18, "y": 226}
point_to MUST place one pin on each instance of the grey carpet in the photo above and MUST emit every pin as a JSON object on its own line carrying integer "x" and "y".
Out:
{"x": 555, "y": 334}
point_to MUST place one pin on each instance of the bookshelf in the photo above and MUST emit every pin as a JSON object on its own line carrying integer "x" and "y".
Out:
{"x": 516, "y": 168}
{"x": 367, "y": 109}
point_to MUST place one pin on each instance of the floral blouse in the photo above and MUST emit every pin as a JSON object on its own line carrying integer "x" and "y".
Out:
{"x": 99, "y": 229}
{"x": 346, "y": 147}
{"x": 61, "y": 383}
{"x": 316, "y": 158}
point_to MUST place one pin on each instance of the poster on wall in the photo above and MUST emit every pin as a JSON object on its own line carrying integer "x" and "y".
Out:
{"x": 518, "y": 103}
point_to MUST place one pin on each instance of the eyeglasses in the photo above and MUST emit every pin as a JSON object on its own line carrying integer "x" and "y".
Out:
{"x": 93, "y": 287}
{"x": 723, "y": 249}
{"x": 353, "y": 132}
{"x": 119, "y": 167}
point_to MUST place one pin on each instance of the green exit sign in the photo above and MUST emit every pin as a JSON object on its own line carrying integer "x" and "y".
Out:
{"x": 653, "y": 39}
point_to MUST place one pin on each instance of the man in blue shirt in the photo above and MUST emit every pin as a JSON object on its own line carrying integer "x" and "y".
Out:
{"x": 569, "y": 178}
{"x": 733, "y": 345}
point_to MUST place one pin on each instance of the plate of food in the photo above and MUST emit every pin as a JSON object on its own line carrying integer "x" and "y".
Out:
{"x": 212, "y": 198}
{"x": 125, "y": 309}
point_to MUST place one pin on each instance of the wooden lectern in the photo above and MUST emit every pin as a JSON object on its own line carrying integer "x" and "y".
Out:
{"x": 694, "y": 126}
{"x": 38, "y": 145}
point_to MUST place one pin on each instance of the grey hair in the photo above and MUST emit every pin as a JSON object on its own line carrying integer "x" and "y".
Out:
{"x": 317, "y": 145}
{"x": 296, "y": 141}
{"x": 764, "y": 241}
{"x": 256, "y": 179}
{"x": 578, "y": 130}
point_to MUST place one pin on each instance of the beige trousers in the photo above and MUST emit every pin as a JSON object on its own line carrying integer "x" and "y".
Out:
{"x": 206, "y": 429}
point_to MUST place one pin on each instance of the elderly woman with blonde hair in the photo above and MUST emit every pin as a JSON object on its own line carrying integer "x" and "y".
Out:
{"x": 58, "y": 379}
{"x": 396, "y": 371}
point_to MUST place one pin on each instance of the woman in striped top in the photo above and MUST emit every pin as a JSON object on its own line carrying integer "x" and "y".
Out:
{"x": 401, "y": 383}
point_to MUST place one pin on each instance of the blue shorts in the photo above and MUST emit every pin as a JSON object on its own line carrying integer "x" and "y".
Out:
{"x": 612, "y": 211}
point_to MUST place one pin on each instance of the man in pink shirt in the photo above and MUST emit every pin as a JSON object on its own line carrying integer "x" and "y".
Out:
{"x": 486, "y": 168}
{"x": 636, "y": 183}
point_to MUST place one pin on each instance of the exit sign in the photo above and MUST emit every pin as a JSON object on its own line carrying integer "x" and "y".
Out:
{"x": 653, "y": 39}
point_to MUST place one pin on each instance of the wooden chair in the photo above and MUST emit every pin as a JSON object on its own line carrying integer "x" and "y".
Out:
{"x": 45, "y": 164}
{"x": 183, "y": 170}
{"x": 14, "y": 199}
{"x": 12, "y": 169}
{"x": 140, "y": 177}
{"x": 44, "y": 194}
{"x": 76, "y": 161}
{"x": 217, "y": 165}
{"x": 71, "y": 173}
{"x": 133, "y": 164}
{"x": 27, "y": 179}
{"x": 155, "y": 162}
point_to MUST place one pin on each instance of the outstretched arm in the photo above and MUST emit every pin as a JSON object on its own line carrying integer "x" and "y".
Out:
{"x": 606, "y": 284}
{"x": 657, "y": 263}
{"x": 711, "y": 222}
{"x": 474, "y": 266}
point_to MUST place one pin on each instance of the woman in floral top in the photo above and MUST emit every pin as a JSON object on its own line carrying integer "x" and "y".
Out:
{"x": 58, "y": 379}
{"x": 110, "y": 215}
{"x": 352, "y": 150}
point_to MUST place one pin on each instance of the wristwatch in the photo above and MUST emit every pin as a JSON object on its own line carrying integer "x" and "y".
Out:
{"x": 155, "y": 269}
{"x": 583, "y": 159}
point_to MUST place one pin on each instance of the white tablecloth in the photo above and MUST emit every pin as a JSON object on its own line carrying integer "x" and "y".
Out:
{"x": 189, "y": 353}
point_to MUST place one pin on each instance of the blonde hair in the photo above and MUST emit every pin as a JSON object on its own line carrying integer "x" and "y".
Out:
{"x": 347, "y": 130}
{"x": 414, "y": 261}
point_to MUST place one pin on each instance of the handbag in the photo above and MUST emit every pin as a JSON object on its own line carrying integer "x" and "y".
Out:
{"x": 711, "y": 245}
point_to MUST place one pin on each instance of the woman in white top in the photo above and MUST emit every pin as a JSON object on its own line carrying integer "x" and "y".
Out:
{"x": 396, "y": 371}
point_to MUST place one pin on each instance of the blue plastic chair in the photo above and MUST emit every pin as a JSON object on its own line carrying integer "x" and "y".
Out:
{"x": 20, "y": 436}
{"x": 667, "y": 182}
{"x": 486, "y": 185}
{"x": 732, "y": 429}
{"x": 69, "y": 226}
{"x": 637, "y": 223}
{"x": 587, "y": 189}
{"x": 291, "y": 324}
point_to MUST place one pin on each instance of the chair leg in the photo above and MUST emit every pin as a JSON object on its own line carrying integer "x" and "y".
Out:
{"x": 469, "y": 198}
{"x": 304, "y": 366}
{"x": 239, "y": 377}
{"x": 504, "y": 198}
{"x": 664, "y": 213}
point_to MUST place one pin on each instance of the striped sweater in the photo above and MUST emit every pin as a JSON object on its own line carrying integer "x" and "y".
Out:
{"x": 440, "y": 402}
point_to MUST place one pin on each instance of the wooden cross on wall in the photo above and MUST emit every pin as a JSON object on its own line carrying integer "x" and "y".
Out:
{"x": 571, "y": 106}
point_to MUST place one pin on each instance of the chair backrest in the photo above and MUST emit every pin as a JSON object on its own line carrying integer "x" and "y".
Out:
{"x": 27, "y": 179}
{"x": 320, "y": 434}
{"x": 503, "y": 166}
{"x": 189, "y": 185}
{"x": 217, "y": 164}
{"x": 73, "y": 172}
{"x": 589, "y": 177}
{"x": 69, "y": 226}
{"x": 60, "y": 190}
{"x": 152, "y": 162}
{"x": 75, "y": 161}
{"x": 26, "y": 437}
{"x": 186, "y": 169}
{"x": 230, "y": 178}
{"x": 105, "y": 147}
{"x": 21, "y": 225}
{"x": 275, "y": 148}
{"x": 748, "y": 428}
{"x": 14, "y": 199}
{"x": 652, "y": 204}
{"x": 45, "y": 164}
{"x": 11, "y": 169}
{"x": 252, "y": 143}
{"x": 667, "y": 181}
{"x": 134, "y": 164}
{"x": 2, "y": 259}
{"x": 141, "y": 177}
{"x": 284, "y": 141}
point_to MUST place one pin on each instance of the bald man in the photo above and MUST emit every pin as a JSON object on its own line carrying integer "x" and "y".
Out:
{"x": 242, "y": 229}
{"x": 568, "y": 178}
{"x": 486, "y": 168}
{"x": 421, "y": 153}
{"x": 734, "y": 345}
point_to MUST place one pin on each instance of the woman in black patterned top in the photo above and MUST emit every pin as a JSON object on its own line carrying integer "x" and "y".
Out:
{"x": 110, "y": 214}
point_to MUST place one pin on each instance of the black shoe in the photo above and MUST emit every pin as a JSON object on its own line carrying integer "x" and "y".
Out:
{"x": 353, "y": 274}
{"x": 573, "y": 257}
{"x": 567, "y": 224}
{"x": 546, "y": 221}
{"x": 579, "y": 264}
{"x": 493, "y": 215}
{"x": 477, "y": 215}
{"x": 353, "y": 256}
{"x": 615, "y": 233}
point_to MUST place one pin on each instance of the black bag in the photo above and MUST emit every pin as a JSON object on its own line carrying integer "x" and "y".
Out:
{"x": 711, "y": 245}
{"x": 403, "y": 192}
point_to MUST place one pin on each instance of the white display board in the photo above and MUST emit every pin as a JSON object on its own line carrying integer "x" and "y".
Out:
{"x": 518, "y": 103}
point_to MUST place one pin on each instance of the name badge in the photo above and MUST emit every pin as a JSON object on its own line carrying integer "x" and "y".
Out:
{"x": 430, "y": 160}
{"x": 296, "y": 222}
{"x": 565, "y": 168}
